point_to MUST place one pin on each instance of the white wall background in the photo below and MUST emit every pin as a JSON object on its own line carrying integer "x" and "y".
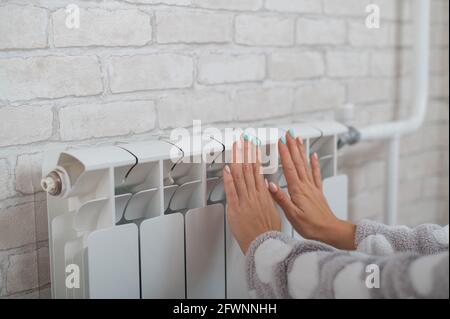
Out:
{"x": 136, "y": 68}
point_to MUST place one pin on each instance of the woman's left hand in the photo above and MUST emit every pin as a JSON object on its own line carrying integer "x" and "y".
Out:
{"x": 251, "y": 210}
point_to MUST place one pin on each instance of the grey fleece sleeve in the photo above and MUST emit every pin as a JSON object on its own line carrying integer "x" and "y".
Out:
{"x": 281, "y": 267}
{"x": 378, "y": 239}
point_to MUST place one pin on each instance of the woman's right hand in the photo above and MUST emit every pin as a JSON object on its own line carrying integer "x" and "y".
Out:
{"x": 306, "y": 207}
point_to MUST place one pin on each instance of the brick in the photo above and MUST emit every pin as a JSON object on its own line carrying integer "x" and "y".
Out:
{"x": 22, "y": 272}
{"x": 172, "y": 2}
{"x": 43, "y": 259}
{"x": 439, "y": 61}
{"x": 300, "y": 6}
{"x": 193, "y": 27}
{"x": 361, "y": 36}
{"x": 435, "y": 187}
{"x": 100, "y": 27}
{"x": 110, "y": 119}
{"x": 23, "y": 27}
{"x": 262, "y": 103}
{"x": 209, "y": 107}
{"x": 379, "y": 112}
{"x": 28, "y": 173}
{"x": 356, "y": 179}
{"x": 321, "y": 31}
{"x": 45, "y": 293}
{"x": 439, "y": 86}
{"x": 244, "y": 5}
{"x": 390, "y": 63}
{"x": 367, "y": 204}
{"x": 4, "y": 178}
{"x": 23, "y": 125}
{"x": 150, "y": 72}
{"x": 438, "y": 111}
{"x": 421, "y": 165}
{"x": 17, "y": 226}
{"x": 409, "y": 192}
{"x": 264, "y": 31}
{"x": 222, "y": 68}
{"x": 1, "y": 280}
{"x": 49, "y": 77}
{"x": 296, "y": 66}
{"x": 319, "y": 95}
{"x": 439, "y": 35}
{"x": 40, "y": 210}
{"x": 347, "y": 63}
{"x": 345, "y": 7}
{"x": 376, "y": 173}
{"x": 413, "y": 214}
{"x": 369, "y": 90}
{"x": 440, "y": 12}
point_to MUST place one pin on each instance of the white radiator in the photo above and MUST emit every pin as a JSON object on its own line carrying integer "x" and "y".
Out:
{"x": 119, "y": 229}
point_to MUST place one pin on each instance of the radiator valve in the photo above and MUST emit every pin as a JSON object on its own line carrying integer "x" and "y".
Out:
{"x": 52, "y": 183}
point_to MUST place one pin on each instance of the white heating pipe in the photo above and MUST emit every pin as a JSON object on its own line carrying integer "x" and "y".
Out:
{"x": 392, "y": 131}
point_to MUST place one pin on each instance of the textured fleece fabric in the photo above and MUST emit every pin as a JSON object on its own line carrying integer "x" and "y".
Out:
{"x": 390, "y": 262}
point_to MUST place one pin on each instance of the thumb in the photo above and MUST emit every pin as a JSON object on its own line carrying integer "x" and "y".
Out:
{"x": 282, "y": 199}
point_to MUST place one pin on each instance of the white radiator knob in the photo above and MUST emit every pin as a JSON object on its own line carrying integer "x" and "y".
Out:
{"x": 52, "y": 184}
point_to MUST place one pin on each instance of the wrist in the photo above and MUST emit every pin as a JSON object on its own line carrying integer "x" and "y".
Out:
{"x": 341, "y": 235}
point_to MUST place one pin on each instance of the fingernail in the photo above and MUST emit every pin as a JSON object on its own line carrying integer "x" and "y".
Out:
{"x": 283, "y": 139}
{"x": 292, "y": 133}
{"x": 227, "y": 169}
{"x": 316, "y": 156}
{"x": 256, "y": 141}
{"x": 273, "y": 188}
{"x": 300, "y": 140}
{"x": 247, "y": 137}
{"x": 267, "y": 183}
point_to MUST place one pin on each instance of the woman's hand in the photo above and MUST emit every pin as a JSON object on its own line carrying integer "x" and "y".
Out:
{"x": 251, "y": 210}
{"x": 307, "y": 209}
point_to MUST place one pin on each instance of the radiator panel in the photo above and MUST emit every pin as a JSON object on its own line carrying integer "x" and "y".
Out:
{"x": 135, "y": 233}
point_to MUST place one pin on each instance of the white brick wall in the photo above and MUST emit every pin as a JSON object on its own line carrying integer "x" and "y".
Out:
{"x": 25, "y": 124}
{"x": 206, "y": 106}
{"x": 137, "y": 68}
{"x": 15, "y": 34}
{"x": 221, "y": 68}
{"x": 319, "y": 31}
{"x": 125, "y": 28}
{"x": 347, "y": 63}
{"x": 300, "y": 6}
{"x": 296, "y": 66}
{"x": 264, "y": 30}
{"x": 193, "y": 27}
{"x": 320, "y": 95}
{"x": 82, "y": 121}
{"x": 49, "y": 77}
{"x": 262, "y": 103}
{"x": 245, "y": 5}
{"x": 150, "y": 72}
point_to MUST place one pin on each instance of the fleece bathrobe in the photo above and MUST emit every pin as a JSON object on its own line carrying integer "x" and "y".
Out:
{"x": 390, "y": 262}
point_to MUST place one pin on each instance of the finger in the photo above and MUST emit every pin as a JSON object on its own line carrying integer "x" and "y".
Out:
{"x": 257, "y": 169}
{"x": 230, "y": 189}
{"x": 290, "y": 172}
{"x": 297, "y": 159}
{"x": 315, "y": 167}
{"x": 282, "y": 199}
{"x": 301, "y": 147}
{"x": 236, "y": 171}
{"x": 247, "y": 166}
